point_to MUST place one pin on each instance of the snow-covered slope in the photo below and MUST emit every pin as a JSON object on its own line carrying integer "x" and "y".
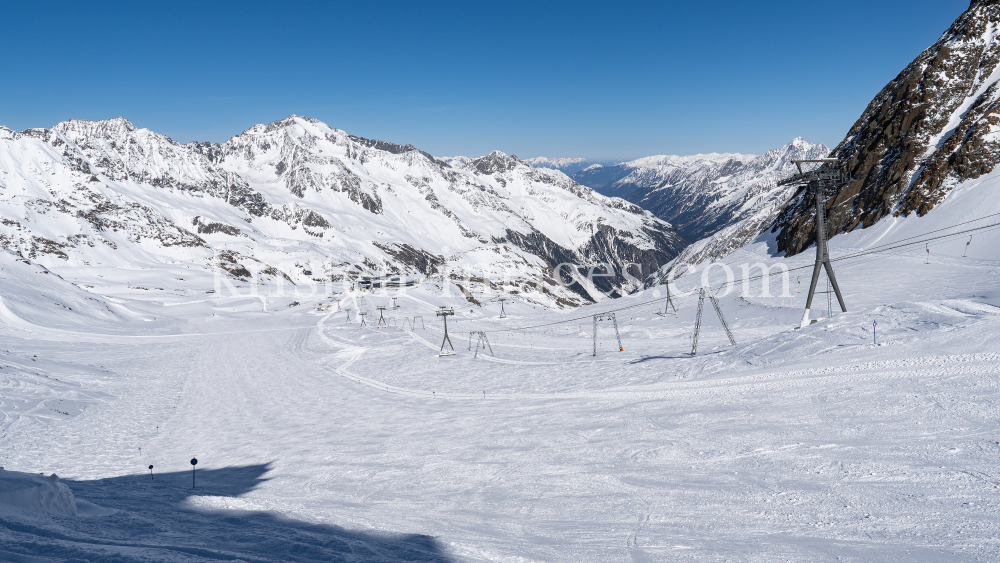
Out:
{"x": 297, "y": 201}
{"x": 29, "y": 492}
{"x": 321, "y": 441}
{"x": 933, "y": 126}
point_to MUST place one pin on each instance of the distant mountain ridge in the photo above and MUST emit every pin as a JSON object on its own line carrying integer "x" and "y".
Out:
{"x": 565, "y": 165}
{"x": 721, "y": 201}
{"x": 703, "y": 194}
{"x": 650, "y": 172}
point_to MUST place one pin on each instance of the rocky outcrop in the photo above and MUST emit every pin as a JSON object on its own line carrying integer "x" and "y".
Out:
{"x": 935, "y": 125}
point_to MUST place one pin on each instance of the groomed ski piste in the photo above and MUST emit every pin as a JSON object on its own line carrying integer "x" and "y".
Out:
{"x": 319, "y": 440}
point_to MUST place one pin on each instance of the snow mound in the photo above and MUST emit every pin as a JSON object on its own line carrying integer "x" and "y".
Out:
{"x": 36, "y": 493}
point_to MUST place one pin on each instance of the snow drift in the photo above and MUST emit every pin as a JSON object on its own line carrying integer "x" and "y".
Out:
{"x": 37, "y": 493}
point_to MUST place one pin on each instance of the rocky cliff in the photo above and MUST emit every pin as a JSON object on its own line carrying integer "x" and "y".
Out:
{"x": 936, "y": 124}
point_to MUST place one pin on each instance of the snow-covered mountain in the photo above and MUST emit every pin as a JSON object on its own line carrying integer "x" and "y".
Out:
{"x": 723, "y": 205}
{"x": 298, "y": 201}
{"x": 651, "y": 172}
{"x": 598, "y": 176}
{"x": 933, "y": 126}
{"x": 564, "y": 165}
{"x": 723, "y": 201}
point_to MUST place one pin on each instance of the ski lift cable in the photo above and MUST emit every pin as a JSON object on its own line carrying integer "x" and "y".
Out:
{"x": 875, "y": 250}
{"x": 935, "y": 231}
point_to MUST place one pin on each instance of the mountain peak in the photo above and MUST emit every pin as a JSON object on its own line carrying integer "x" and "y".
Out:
{"x": 496, "y": 162}
{"x": 101, "y": 128}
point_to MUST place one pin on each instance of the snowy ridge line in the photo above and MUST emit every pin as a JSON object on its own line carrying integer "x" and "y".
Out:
{"x": 300, "y": 201}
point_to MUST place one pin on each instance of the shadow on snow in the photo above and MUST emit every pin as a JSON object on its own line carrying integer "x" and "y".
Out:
{"x": 151, "y": 523}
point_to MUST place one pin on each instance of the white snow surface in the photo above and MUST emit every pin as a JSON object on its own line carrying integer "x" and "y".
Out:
{"x": 319, "y": 440}
{"x": 25, "y": 491}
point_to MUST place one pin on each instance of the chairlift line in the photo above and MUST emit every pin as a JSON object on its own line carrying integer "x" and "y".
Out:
{"x": 820, "y": 179}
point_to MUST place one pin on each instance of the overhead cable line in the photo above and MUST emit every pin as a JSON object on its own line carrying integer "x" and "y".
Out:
{"x": 874, "y": 250}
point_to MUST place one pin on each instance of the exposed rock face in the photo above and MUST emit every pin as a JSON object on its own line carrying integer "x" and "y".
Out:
{"x": 933, "y": 126}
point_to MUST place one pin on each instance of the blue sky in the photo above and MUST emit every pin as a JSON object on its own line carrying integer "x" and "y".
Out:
{"x": 600, "y": 80}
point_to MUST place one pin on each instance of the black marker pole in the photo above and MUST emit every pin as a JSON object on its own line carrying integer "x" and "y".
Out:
{"x": 194, "y": 462}
{"x": 150, "y": 472}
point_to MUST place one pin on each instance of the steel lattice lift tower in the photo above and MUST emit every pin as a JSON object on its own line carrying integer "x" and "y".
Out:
{"x": 503, "y": 314}
{"x": 444, "y": 313}
{"x": 381, "y": 318}
{"x": 607, "y": 317}
{"x": 697, "y": 320}
{"x": 670, "y": 302}
{"x": 481, "y": 340}
{"x": 820, "y": 179}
